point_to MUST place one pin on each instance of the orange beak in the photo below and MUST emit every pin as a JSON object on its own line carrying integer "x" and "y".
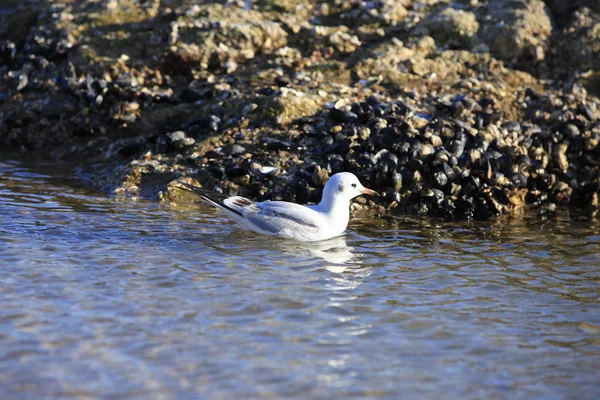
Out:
{"x": 369, "y": 192}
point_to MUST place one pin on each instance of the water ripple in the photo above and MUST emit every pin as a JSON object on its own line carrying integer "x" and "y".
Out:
{"x": 133, "y": 300}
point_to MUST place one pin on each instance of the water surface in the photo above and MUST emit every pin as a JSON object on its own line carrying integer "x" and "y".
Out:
{"x": 102, "y": 298}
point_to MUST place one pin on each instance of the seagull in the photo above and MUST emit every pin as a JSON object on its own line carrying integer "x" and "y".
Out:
{"x": 306, "y": 223}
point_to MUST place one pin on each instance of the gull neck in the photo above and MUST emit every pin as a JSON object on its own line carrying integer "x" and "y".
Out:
{"x": 333, "y": 204}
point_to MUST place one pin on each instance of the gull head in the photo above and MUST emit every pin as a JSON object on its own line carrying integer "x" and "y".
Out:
{"x": 344, "y": 185}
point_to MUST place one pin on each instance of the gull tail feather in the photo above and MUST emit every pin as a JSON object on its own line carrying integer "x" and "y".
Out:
{"x": 213, "y": 198}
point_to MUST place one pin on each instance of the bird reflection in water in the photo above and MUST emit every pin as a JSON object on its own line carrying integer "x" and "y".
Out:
{"x": 343, "y": 261}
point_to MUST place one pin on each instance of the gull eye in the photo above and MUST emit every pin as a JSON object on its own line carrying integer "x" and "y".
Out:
{"x": 354, "y": 185}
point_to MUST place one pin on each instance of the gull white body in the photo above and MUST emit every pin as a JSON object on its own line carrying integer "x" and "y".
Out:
{"x": 323, "y": 221}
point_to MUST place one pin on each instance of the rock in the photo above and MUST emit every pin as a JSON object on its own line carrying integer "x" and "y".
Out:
{"x": 237, "y": 37}
{"x": 282, "y": 81}
{"x": 517, "y": 30}
{"x": 249, "y": 108}
{"x": 176, "y": 194}
{"x": 344, "y": 42}
{"x": 23, "y": 82}
{"x": 451, "y": 26}
{"x": 234, "y": 149}
{"x": 578, "y": 45}
{"x": 320, "y": 176}
{"x": 563, "y": 8}
{"x": 273, "y": 99}
{"x": 179, "y": 141}
{"x": 481, "y": 48}
{"x": 560, "y": 156}
{"x": 381, "y": 12}
{"x": 208, "y": 124}
{"x": 288, "y": 106}
{"x": 190, "y": 95}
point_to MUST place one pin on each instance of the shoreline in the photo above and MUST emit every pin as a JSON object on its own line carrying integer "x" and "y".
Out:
{"x": 433, "y": 107}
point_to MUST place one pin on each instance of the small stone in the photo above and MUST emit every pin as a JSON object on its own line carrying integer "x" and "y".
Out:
{"x": 249, "y": 108}
{"x": 282, "y": 81}
{"x": 561, "y": 157}
{"x": 179, "y": 141}
{"x": 363, "y": 132}
{"x": 480, "y": 48}
{"x": 320, "y": 176}
{"x": 426, "y": 150}
{"x": 267, "y": 170}
{"x": 176, "y": 136}
{"x": 206, "y": 124}
{"x": 23, "y": 82}
{"x": 233, "y": 149}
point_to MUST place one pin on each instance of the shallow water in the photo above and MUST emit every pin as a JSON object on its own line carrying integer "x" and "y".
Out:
{"x": 101, "y": 298}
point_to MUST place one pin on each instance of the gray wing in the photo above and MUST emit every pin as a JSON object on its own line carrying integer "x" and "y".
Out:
{"x": 280, "y": 216}
{"x": 270, "y": 216}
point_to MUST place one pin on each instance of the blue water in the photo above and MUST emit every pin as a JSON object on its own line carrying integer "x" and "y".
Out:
{"x": 101, "y": 298}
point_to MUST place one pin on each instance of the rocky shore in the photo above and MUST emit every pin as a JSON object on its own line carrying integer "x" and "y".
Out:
{"x": 455, "y": 109}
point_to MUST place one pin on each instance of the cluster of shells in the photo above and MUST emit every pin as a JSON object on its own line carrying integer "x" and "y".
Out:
{"x": 464, "y": 161}
{"x": 461, "y": 161}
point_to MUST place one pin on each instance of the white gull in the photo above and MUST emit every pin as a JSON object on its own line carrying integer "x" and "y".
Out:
{"x": 305, "y": 223}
